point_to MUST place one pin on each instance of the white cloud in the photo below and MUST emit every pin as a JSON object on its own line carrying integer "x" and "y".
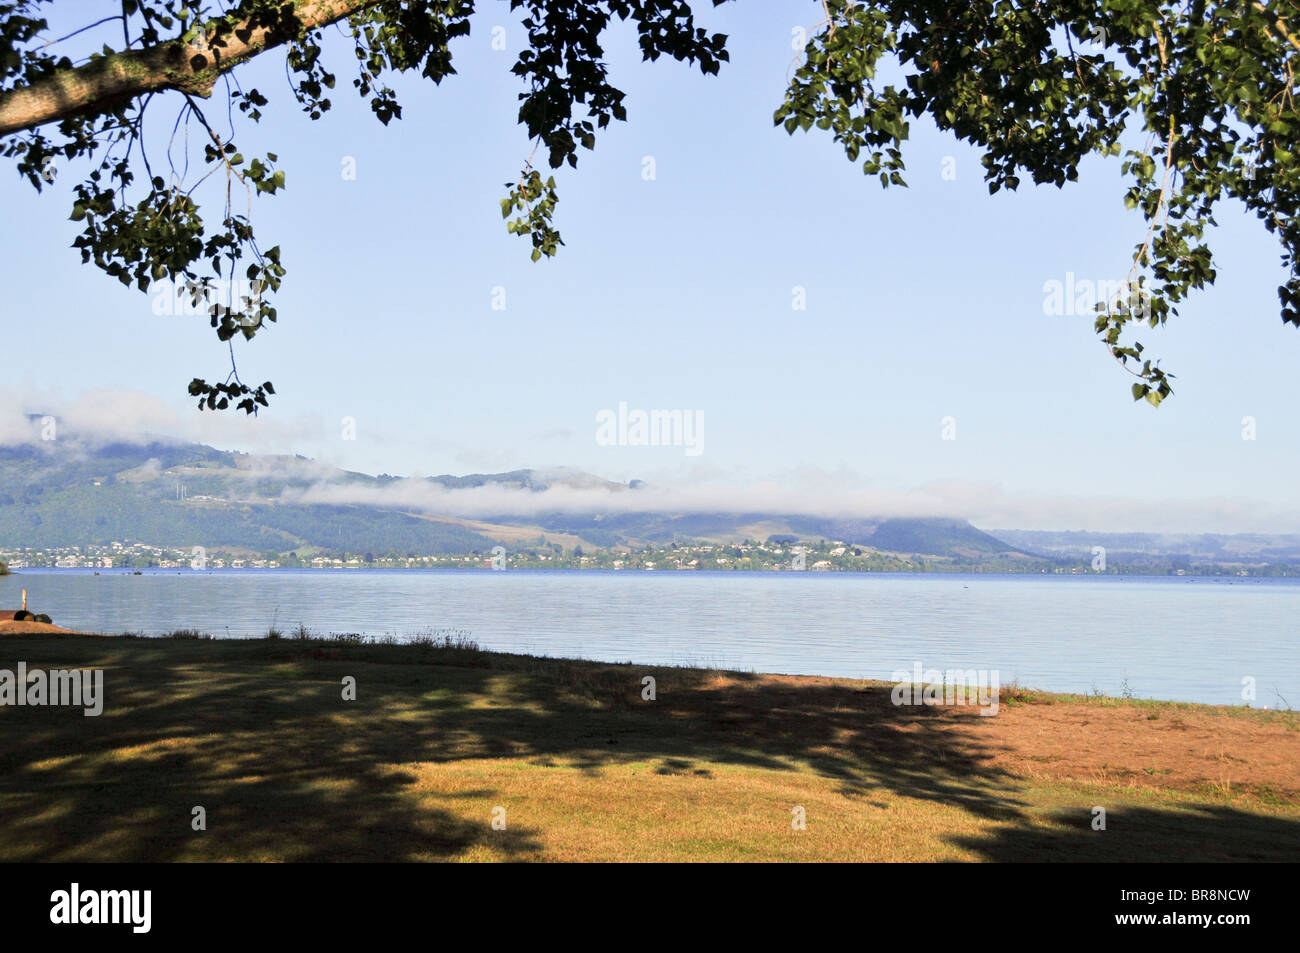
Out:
{"x": 128, "y": 416}
{"x": 100, "y": 416}
{"x": 825, "y": 495}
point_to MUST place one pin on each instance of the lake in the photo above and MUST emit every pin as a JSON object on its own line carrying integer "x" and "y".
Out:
{"x": 1182, "y": 638}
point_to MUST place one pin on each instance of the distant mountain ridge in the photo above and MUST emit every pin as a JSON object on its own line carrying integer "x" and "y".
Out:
{"x": 65, "y": 494}
{"x": 1135, "y": 546}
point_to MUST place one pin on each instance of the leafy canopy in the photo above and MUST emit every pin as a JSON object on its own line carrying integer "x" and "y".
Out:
{"x": 1195, "y": 99}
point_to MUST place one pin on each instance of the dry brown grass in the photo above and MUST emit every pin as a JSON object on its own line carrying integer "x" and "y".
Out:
{"x": 585, "y": 769}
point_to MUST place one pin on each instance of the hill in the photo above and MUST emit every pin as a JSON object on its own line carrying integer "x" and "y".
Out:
{"x": 71, "y": 494}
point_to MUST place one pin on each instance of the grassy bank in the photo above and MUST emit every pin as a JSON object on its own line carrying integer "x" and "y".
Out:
{"x": 440, "y": 735}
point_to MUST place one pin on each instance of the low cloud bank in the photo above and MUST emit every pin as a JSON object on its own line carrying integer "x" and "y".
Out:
{"x": 987, "y": 506}
{"x": 104, "y": 416}
{"x": 99, "y": 417}
{"x": 496, "y": 500}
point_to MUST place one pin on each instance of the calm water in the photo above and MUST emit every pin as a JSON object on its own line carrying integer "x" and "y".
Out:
{"x": 1174, "y": 638}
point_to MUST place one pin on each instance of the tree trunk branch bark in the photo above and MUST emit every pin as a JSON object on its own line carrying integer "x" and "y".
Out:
{"x": 193, "y": 68}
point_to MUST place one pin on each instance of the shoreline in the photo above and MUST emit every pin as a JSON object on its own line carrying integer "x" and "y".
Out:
{"x": 419, "y": 641}
{"x": 1231, "y": 578}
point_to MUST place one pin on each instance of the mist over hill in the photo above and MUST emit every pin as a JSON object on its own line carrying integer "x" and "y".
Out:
{"x": 67, "y": 493}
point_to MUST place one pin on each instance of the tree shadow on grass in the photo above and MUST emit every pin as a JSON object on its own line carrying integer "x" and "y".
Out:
{"x": 857, "y": 738}
{"x": 278, "y": 775}
{"x": 1136, "y": 834}
{"x": 257, "y": 733}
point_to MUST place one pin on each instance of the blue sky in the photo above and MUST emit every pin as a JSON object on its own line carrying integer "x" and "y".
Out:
{"x": 675, "y": 293}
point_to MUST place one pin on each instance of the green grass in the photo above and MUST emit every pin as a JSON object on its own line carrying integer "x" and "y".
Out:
{"x": 442, "y": 733}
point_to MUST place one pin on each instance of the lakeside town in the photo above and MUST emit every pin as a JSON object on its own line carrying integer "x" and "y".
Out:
{"x": 774, "y": 555}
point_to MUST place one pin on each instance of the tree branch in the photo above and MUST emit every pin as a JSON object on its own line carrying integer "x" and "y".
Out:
{"x": 192, "y": 68}
{"x": 1278, "y": 23}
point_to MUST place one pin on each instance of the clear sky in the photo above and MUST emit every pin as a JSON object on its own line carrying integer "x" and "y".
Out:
{"x": 676, "y": 293}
